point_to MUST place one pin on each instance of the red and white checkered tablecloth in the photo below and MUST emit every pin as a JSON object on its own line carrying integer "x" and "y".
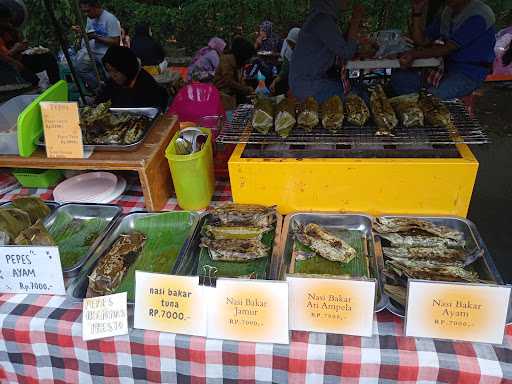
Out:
{"x": 41, "y": 342}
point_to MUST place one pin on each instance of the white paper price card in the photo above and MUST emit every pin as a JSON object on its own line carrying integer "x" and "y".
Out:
{"x": 105, "y": 316}
{"x": 332, "y": 305}
{"x": 168, "y": 303}
{"x": 248, "y": 310}
{"x": 31, "y": 270}
{"x": 453, "y": 311}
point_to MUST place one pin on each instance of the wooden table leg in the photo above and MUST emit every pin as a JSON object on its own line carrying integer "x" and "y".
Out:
{"x": 156, "y": 185}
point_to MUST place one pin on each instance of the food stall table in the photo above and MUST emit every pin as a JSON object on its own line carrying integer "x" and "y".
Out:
{"x": 148, "y": 161}
{"x": 41, "y": 341}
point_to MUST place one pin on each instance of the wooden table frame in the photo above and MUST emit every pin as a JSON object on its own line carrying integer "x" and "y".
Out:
{"x": 148, "y": 161}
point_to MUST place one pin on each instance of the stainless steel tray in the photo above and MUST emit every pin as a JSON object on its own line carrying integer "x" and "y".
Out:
{"x": 484, "y": 266}
{"x": 152, "y": 113}
{"x": 335, "y": 221}
{"x": 189, "y": 260}
{"x": 86, "y": 212}
{"x": 78, "y": 288}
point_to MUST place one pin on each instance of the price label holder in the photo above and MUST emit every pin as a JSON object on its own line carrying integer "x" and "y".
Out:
{"x": 248, "y": 310}
{"x": 168, "y": 303}
{"x": 105, "y": 316}
{"x": 31, "y": 270}
{"x": 332, "y": 305}
{"x": 454, "y": 311}
{"x": 62, "y": 133}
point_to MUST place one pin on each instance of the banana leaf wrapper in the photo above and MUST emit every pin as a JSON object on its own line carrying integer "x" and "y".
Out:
{"x": 34, "y": 206}
{"x": 436, "y": 113}
{"x": 408, "y": 110}
{"x": 383, "y": 113}
{"x": 263, "y": 118}
{"x": 356, "y": 110}
{"x": 37, "y": 234}
{"x": 285, "y": 118}
{"x": 13, "y": 221}
{"x": 332, "y": 113}
{"x": 308, "y": 118}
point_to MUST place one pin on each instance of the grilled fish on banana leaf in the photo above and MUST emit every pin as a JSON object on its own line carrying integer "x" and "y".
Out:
{"x": 285, "y": 117}
{"x": 436, "y": 113}
{"x": 237, "y": 250}
{"x": 356, "y": 110}
{"x": 408, "y": 241}
{"x": 263, "y": 118}
{"x": 112, "y": 267}
{"x": 332, "y": 113}
{"x": 241, "y": 233}
{"x": 406, "y": 224}
{"x": 408, "y": 110}
{"x": 245, "y": 215}
{"x": 382, "y": 111}
{"x": 37, "y": 234}
{"x": 325, "y": 244}
{"x": 431, "y": 270}
{"x": 308, "y": 118}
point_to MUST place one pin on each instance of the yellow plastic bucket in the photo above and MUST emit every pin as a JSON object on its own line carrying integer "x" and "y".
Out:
{"x": 192, "y": 174}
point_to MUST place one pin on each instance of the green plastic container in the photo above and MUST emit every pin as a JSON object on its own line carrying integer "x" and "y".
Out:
{"x": 38, "y": 178}
{"x": 192, "y": 175}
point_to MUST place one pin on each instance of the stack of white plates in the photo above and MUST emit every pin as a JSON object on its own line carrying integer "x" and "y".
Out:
{"x": 92, "y": 187}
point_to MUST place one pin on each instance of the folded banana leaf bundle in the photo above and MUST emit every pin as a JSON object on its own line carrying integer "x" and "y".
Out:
{"x": 436, "y": 113}
{"x": 263, "y": 118}
{"x": 308, "y": 118}
{"x": 383, "y": 113}
{"x": 13, "y": 221}
{"x": 332, "y": 113}
{"x": 356, "y": 110}
{"x": 34, "y": 206}
{"x": 408, "y": 110}
{"x": 285, "y": 117}
{"x": 37, "y": 234}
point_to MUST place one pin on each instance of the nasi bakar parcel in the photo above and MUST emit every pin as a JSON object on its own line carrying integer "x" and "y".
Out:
{"x": 308, "y": 117}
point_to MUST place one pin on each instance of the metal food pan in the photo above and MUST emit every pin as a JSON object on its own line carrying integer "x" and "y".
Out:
{"x": 152, "y": 113}
{"x": 107, "y": 212}
{"x": 50, "y": 204}
{"x": 335, "y": 221}
{"x": 189, "y": 260}
{"x": 484, "y": 266}
{"x": 126, "y": 224}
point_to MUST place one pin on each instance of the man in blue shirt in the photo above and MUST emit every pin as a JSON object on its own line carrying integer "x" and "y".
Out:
{"x": 466, "y": 31}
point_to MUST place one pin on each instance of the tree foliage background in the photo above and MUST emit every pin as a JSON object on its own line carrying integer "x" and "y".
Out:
{"x": 188, "y": 24}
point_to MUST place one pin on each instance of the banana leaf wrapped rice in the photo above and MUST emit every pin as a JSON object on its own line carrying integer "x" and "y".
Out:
{"x": 285, "y": 117}
{"x": 263, "y": 117}
{"x": 382, "y": 111}
{"x": 308, "y": 117}
{"x": 408, "y": 110}
{"x": 332, "y": 113}
{"x": 356, "y": 110}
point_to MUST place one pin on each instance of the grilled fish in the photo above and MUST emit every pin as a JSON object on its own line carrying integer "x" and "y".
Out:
{"x": 243, "y": 215}
{"x": 356, "y": 111}
{"x": 242, "y": 233}
{"x": 431, "y": 270}
{"x": 382, "y": 111}
{"x": 404, "y": 224}
{"x": 332, "y": 113}
{"x": 325, "y": 244}
{"x": 399, "y": 241}
{"x": 445, "y": 255}
{"x": 235, "y": 249}
{"x": 308, "y": 118}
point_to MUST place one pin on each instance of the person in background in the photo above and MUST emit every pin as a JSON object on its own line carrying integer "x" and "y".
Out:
{"x": 12, "y": 46}
{"x": 267, "y": 40}
{"x": 205, "y": 62}
{"x": 507, "y": 56}
{"x": 126, "y": 41}
{"x": 147, "y": 49}
{"x": 466, "y": 33}
{"x": 130, "y": 86}
{"x": 228, "y": 77}
{"x": 313, "y": 70}
{"x": 103, "y": 31}
{"x": 280, "y": 84}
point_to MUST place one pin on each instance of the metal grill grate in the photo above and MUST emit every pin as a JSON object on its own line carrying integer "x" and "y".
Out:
{"x": 468, "y": 131}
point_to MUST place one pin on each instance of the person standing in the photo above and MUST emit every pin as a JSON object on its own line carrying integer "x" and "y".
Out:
{"x": 463, "y": 35}
{"x": 206, "y": 60}
{"x": 147, "y": 49}
{"x": 103, "y": 31}
{"x": 267, "y": 40}
{"x": 315, "y": 70}
{"x": 280, "y": 85}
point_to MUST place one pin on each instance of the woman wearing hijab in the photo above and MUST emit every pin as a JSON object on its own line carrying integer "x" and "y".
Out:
{"x": 130, "y": 86}
{"x": 147, "y": 49}
{"x": 267, "y": 40}
{"x": 320, "y": 44}
{"x": 205, "y": 62}
{"x": 228, "y": 77}
{"x": 280, "y": 83}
